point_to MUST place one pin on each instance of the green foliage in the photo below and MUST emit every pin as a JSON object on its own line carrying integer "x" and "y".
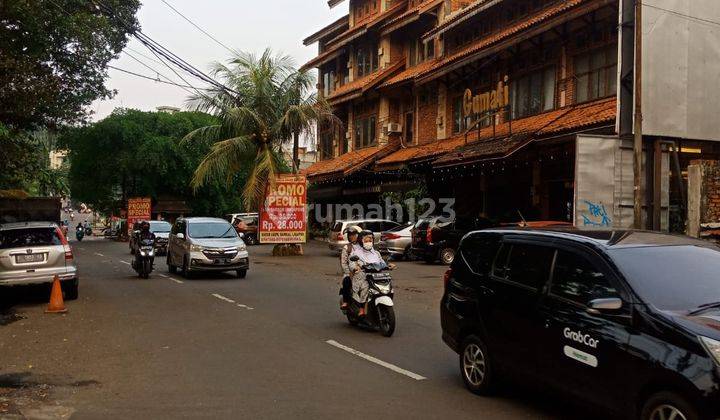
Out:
{"x": 19, "y": 159}
{"x": 53, "y": 57}
{"x": 404, "y": 197}
{"x": 271, "y": 104}
{"x": 135, "y": 153}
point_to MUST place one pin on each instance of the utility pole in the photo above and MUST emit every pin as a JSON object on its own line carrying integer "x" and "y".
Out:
{"x": 638, "y": 125}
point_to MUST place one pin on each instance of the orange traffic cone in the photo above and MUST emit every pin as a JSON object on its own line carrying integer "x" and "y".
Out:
{"x": 56, "y": 305}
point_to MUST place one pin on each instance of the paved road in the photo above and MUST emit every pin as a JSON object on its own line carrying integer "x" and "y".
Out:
{"x": 214, "y": 346}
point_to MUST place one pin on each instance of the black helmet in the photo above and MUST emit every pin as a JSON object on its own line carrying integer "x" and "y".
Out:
{"x": 144, "y": 226}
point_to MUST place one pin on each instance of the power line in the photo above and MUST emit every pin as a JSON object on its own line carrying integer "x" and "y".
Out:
{"x": 142, "y": 55}
{"x": 199, "y": 28}
{"x": 683, "y": 15}
{"x": 152, "y": 78}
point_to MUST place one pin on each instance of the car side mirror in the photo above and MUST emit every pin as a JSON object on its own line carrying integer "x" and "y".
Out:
{"x": 180, "y": 236}
{"x": 598, "y": 306}
{"x": 354, "y": 258}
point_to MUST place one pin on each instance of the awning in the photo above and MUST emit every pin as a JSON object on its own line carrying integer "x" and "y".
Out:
{"x": 347, "y": 163}
{"x": 504, "y": 138}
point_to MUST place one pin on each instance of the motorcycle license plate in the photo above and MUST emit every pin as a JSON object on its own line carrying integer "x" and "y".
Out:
{"x": 29, "y": 258}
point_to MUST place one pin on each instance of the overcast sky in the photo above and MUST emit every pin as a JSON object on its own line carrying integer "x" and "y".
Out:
{"x": 241, "y": 24}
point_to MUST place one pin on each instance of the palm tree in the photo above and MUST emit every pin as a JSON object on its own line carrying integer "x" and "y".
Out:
{"x": 268, "y": 102}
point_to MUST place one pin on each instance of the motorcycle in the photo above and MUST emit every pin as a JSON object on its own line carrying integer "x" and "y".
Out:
{"x": 88, "y": 231}
{"x": 144, "y": 258}
{"x": 79, "y": 233}
{"x": 380, "y": 312}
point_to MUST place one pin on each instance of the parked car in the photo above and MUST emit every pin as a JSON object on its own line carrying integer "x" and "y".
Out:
{"x": 161, "y": 229}
{"x": 250, "y": 228}
{"x": 626, "y": 320}
{"x": 396, "y": 242}
{"x": 337, "y": 239}
{"x": 437, "y": 238}
{"x": 34, "y": 253}
{"x": 206, "y": 244}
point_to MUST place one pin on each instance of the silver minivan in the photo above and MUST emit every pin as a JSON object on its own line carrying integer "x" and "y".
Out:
{"x": 337, "y": 239}
{"x": 206, "y": 244}
{"x": 34, "y": 253}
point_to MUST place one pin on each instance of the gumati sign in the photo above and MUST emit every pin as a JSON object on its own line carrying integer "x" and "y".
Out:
{"x": 283, "y": 215}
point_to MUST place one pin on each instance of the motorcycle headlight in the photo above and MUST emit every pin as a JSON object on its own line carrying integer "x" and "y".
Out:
{"x": 712, "y": 347}
{"x": 196, "y": 248}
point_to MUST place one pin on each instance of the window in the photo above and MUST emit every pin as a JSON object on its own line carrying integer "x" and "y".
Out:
{"x": 533, "y": 94}
{"x": 28, "y": 237}
{"x": 412, "y": 54}
{"x": 366, "y": 60}
{"x": 500, "y": 263}
{"x": 529, "y": 265}
{"x": 328, "y": 83}
{"x": 326, "y": 144}
{"x": 365, "y": 132}
{"x": 596, "y": 74}
{"x": 462, "y": 122}
{"x": 479, "y": 251}
{"x": 576, "y": 279}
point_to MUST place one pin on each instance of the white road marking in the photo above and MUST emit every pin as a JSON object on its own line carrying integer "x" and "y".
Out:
{"x": 377, "y": 361}
{"x": 125, "y": 262}
{"x": 240, "y": 305}
{"x": 221, "y": 297}
{"x": 98, "y": 254}
{"x": 176, "y": 280}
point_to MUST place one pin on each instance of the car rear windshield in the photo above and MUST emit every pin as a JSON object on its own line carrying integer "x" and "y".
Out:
{"x": 162, "y": 227}
{"x": 21, "y": 238}
{"x": 674, "y": 278}
{"x": 211, "y": 230}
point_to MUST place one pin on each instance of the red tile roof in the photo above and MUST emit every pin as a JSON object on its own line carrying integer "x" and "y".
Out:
{"x": 534, "y": 20}
{"x": 342, "y": 23}
{"x": 409, "y": 74}
{"x": 346, "y": 164}
{"x": 358, "y": 87}
{"x": 506, "y": 136}
{"x": 334, "y": 45}
{"x": 410, "y": 15}
{"x": 460, "y": 16}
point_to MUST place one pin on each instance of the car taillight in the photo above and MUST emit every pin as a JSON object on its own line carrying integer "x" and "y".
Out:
{"x": 340, "y": 236}
{"x": 65, "y": 244}
{"x": 428, "y": 236}
{"x": 391, "y": 236}
{"x": 447, "y": 276}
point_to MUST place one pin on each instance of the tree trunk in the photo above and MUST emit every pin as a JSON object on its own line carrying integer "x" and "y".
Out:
{"x": 296, "y": 147}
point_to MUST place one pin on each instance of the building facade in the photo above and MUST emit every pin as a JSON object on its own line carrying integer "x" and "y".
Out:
{"x": 495, "y": 103}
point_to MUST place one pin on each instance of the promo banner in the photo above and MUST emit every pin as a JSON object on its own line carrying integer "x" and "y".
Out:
{"x": 139, "y": 208}
{"x": 283, "y": 215}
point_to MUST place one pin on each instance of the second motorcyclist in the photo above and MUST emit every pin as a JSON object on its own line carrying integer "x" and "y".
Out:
{"x": 351, "y": 233}
{"x": 144, "y": 234}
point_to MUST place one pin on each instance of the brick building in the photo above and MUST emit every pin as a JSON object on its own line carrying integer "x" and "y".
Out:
{"x": 483, "y": 101}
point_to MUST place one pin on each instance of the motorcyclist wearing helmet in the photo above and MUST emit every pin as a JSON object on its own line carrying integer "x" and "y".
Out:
{"x": 351, "y": 233}
{"x": 367, "y": 254}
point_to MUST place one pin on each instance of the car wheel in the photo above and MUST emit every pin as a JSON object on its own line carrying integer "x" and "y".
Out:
{"x": 447, "y": 255}
{"x": 475, "y": 366}
{"x": 70, "y": 289}
{"x": 668, "y": 405}
{"x": 241, "y": 274}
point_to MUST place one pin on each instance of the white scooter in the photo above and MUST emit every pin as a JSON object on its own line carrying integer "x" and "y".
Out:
{"x": 380, "y": 312}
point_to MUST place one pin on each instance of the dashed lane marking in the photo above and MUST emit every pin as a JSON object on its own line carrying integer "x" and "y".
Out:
{"x": 228, "y": 300}
{"x": 377, "y": 361}
{"x": 125, "y": 262}
{"x": 98, "y": 254}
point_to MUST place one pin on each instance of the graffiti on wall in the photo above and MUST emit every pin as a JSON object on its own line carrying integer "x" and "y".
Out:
{"x": 595, "y": 215}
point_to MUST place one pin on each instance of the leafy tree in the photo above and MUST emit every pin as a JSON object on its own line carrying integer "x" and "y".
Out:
{"x": 20, "y": 159}
{"x": 271, "y": 104}
{"x": 53, "y": 57}
{"x": 135, "y": 153}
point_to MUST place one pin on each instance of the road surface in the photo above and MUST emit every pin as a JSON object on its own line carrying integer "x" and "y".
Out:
{"x": 273, "y": 345}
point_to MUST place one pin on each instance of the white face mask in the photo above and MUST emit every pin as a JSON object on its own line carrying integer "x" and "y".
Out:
{"x": 368, "y": 245}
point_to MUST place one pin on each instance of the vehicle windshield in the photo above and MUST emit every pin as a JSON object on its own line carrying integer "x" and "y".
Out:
{"x": 21, "y": 238}
{"x": 673, "y": 278}
{"x": 160, "y": 227}
{"x": 211, "y": 230}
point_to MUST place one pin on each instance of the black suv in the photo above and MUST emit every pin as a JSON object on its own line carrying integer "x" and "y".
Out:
{"x": 437, "y": 238}
{"x": 625, "y": 320}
